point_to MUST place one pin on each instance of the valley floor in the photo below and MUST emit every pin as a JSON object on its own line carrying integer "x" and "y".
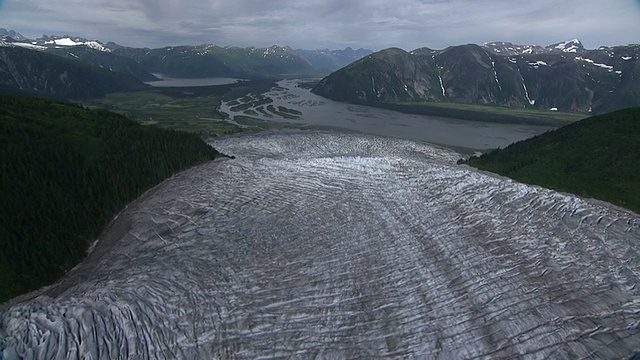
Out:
{"x": 290, "y": 104}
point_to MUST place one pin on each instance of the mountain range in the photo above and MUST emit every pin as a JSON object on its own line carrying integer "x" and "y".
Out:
{"x": 43, "y": 73}
{"x": 563, "y": 76}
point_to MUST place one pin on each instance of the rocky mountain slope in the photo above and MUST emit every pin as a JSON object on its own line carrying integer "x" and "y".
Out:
{"x": 104, "y": 59}
{"x": 563, "y": 76}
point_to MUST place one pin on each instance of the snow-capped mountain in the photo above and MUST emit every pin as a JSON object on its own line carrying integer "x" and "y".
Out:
{"x": 13, "y": 38}
{"x": 562, "y": 76}
{"x": 509, "y": 49}
{"x": 67, "y": 41}
{"x": 571, "y": 46}
{"x": 187, "y": 61}
{"x": 10, "y": 38}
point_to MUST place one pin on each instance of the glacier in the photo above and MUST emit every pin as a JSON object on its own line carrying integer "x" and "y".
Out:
{"x": 325, "y": 244}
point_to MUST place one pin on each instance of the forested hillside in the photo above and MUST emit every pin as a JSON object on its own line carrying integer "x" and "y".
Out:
{"x": 65, "y": 171}
{"x": 104, "y": 60}
{"x": 24, "y": 71}
{"x": 214, "y": 61}
{"x": 598, "y": 157}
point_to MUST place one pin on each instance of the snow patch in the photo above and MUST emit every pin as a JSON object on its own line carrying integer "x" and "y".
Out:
{"x": 526, "y": 92}
{"x": 96, "y": 45}
{"x": 495, "y": 74}
{"x": 444, "y": 93}
{"x": 29, "y": 46}
{"x": 604, "y": 66}
{"x": 538, "y": 63}
{"x": 63, "y": 42}
{"x": 70, "y": 42}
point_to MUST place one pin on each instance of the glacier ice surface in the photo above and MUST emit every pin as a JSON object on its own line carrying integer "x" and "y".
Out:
{"x": 333, "y": 245}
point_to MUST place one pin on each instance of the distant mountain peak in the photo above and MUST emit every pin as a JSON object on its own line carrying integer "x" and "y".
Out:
{"x": 509, "y": 49}
{"x": 423, "y": 51}
{"x": 12, "y": 34}
{"x": 570, "y": 46}
{"x": 333, "y": 59}
{"x": 67, "y": 41}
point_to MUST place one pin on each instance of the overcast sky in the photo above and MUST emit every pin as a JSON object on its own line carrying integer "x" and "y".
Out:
{"x": 333, "y": 24}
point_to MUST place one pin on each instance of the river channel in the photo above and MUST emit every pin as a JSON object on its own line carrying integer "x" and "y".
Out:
{"x": 318, "y": 111}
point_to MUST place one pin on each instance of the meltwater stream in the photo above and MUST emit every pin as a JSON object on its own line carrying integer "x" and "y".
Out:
{"x": 329, "y": 245}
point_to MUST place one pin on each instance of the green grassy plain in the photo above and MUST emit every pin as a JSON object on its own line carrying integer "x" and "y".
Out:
{"x": 193, "y": 109}
{"x": 188, "y": 114}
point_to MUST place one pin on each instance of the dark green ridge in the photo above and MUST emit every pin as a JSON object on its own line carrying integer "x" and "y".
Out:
{"x": 42, "y": 74}
{"x": 65, "y": 171}
{"x": 598, "y": 157}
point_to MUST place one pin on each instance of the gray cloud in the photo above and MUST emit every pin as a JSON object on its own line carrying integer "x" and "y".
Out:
{"x": 375, "y": 24}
